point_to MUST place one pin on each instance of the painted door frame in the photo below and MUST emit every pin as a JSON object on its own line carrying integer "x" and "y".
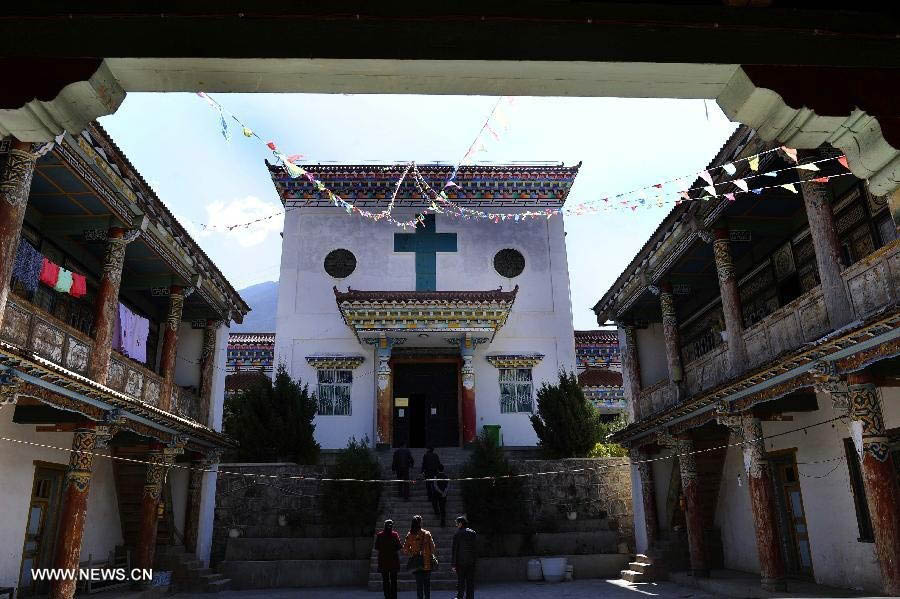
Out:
{"x": 48, "y": 529}
{"x": 431, "y": 360}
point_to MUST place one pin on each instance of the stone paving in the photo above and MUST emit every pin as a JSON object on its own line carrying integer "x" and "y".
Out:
{"x": 579, "y": 589}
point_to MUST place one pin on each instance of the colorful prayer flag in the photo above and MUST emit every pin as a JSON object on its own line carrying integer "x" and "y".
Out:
{"x": 729, "y": 168}
{"x": 791, "y": 152}
{"x": 790, "y": 187}
{"x": 741, "y": 183}
{"x": 843, "y": 161}
{"x": 754, "y": 163}
{"x": 706, "y": 177}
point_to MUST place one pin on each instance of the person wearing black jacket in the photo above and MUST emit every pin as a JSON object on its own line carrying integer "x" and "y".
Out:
{"x": 431, "y": 464}
{"x": 403, "y": 461}
{"x": 464, "y": 554}
{"x": 439, "y": 495}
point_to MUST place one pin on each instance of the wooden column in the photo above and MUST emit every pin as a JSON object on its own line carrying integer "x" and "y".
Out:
{"x": 828, "y": 252}
{"x": 207, "y": 368}
{"x": 106, "y": 305}
{"x": 648, "y": 496}
{"x": 195, "y": 489}
{"x": 73, "y": 511}
{"x": 731, "y": 303}
{"x": 170, "y": 346}
{"x": 384, "y": 400}
{"x": 631, "y": 367}
{"x": 762, "y": 499}
{"x": 15, "y": 185}
{"x": 670, "y": 334}
{"x": 469, "y": 417}
{"x": 690, "y": 490}
{"x": 879, "y": 476}
{"x": 150, "y": 502}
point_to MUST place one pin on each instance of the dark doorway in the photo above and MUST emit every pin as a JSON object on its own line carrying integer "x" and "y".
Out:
{"x": 791, "y": 514}
{"x": 426, "y": 404}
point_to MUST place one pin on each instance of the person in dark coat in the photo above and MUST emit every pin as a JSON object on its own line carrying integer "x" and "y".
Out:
{"x": 431, "y": 463}
{"x": 439, "y": 495}
{"x": 388, "y": 545}
{"x": 464, "y": 554}
{"x": 403, "y": 462}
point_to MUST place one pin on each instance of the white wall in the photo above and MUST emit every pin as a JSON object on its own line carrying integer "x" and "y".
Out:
{"x": 309, "y": 321}
{"x": 187, "y": 360}
{"x": 103, "y": 529}
{"x": 838, "y": 558}
{"x": 178, "y": 481}
{"x": 652, "y": 355}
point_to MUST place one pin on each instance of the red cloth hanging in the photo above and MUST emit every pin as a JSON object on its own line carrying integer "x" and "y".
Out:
{"x": 79, "y": 285}
{"x": 49, "y": 273}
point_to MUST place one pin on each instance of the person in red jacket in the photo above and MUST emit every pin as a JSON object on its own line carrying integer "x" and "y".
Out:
{"x": 388, "y": 545}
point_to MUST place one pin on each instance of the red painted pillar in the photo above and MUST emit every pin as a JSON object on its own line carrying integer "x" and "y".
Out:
{"x": 469, "y": 417}
{"x": 731, "y": 303}
{"x": 106, "y": 305}
{"x": 762, "y": 502}
{"x": 170, "y": 346}
{"x": 207, "y": 368}
{"x": 74, "y": 509}
{"x": 384, "y": 420}
{"x": 150, "y": 500}
{"x": 828, "y": 252}
{"x": 15, "y": 185}
{"x": 648, "y": 496}
{"x": 879, "y": 476}
{"x": 195, "y": 489}
{"x": 632, "y": 370}
{"x": 693, "y": 507}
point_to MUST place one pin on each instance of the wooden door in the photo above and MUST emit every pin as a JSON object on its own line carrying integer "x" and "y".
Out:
{"x": 40, "y": 527}
{"x": 792, "y": 515}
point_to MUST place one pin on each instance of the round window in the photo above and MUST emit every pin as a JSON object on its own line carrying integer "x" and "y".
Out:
{"x": 340, "y": 263}
{"x": 509, "y": 263}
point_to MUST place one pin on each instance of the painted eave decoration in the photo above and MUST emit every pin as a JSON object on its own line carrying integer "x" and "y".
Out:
{"x": 534, "y": 186}
{"x": 338, "y": 361}
{"x": 432, "y": 311}
{"x": 63, "y": 387}
{"x": 528, "y": 360}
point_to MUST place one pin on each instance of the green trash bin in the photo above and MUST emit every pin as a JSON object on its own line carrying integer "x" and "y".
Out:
{"x": 493, "y": 432}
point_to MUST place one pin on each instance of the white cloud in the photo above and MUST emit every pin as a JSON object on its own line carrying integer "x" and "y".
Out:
{"x": 264, "y": 217}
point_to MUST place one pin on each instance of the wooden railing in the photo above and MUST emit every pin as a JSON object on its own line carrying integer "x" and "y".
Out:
{"x": 31, "y": 328}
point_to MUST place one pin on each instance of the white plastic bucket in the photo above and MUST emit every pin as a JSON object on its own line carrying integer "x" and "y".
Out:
{"x": 554, "y": 568}
{"x": 535, "y": 573}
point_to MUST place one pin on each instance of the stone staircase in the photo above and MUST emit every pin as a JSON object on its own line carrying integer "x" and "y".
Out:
{"x": 402, "y": 512}
{"x": 188, "y": 573}
{"x": 640, "y": 570}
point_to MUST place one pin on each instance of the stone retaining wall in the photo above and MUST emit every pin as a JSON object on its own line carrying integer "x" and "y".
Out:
{"x": 603, "y": 492}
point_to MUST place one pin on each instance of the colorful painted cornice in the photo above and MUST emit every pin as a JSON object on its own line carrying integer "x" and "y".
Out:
{"x": 343, "y": 362}
{"x": 514, "y": 360}
{"x": 454, "y": 311}
{"x": 526, "y": 186}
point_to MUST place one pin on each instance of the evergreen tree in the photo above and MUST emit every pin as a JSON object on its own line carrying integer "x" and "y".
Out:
{"x": 273, "y": 421}
{"x": 493, "y": 505}
{"x": 351, "y": 507}
{"x": 566, "y": 423}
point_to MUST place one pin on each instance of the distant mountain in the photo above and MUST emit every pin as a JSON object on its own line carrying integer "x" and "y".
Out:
{"x": 263, "y": 301}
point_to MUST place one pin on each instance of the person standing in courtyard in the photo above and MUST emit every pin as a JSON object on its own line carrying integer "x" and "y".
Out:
{"x": 439, "y": 495}
{"x": 402, "y": 463}
{"x": 464, "y": 555}
{"x": 420, "y": 548}
{"x": 431, "y": 463}
{"x": 388, "y": 545}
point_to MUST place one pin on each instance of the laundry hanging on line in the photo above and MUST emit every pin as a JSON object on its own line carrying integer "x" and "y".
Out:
{"x": 28, "y": 265}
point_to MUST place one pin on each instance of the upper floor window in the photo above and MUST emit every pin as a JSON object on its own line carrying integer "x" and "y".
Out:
{"x": 516, "y": 390}
{"x": 334, "y": 392}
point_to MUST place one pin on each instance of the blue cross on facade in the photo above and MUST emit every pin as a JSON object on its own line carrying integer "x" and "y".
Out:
{"x": 426, "y": 243}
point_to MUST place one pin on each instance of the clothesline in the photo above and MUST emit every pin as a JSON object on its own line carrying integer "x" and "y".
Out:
{"x": 31, "y": 267}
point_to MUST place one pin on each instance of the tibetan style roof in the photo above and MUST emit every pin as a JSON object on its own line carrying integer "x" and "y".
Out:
{"x": 426, "y": 297}
{"x": 244, "y": 380}
{"x": 597, "y": 336}
{"x": 370, "y": 185}
{"x": 600, "y": 377}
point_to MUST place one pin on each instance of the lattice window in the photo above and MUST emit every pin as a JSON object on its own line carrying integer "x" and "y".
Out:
{"x": 334, "y": 392}
{"x": 516, "y": 390}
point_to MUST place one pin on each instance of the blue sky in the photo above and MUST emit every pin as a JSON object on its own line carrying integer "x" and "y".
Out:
{"x": 175, "y": 142}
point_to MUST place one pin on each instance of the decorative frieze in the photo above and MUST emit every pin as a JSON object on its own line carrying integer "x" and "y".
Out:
{"x": 336, "y": 361}
{"x": 529, "y": 360}
{"x": 867, "y": 422}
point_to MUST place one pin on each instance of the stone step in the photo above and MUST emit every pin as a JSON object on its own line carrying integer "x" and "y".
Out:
{"x": 640, "y": 567}
{"x": 632, "y": 576}
{"x": 217, "y": 586}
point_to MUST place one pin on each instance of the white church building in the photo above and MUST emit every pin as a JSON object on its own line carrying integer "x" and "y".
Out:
{"x": 425, "y": 335}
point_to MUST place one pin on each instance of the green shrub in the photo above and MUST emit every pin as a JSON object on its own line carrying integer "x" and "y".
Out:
{"x": 350, "y": 507}
{"x": 493, "y": 506}
{"x": 566, "y": 423}
{"x": 273, "y": 421}
{"x": 609, "y": 450}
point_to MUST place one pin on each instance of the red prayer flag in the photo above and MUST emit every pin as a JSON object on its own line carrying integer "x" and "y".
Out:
{"x": 843, "y": 161}
{"x": 271, "y": 145}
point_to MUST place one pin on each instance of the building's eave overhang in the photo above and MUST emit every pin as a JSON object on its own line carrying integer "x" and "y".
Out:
{"x": 73, "y": 392}
{"x": 848, "y": 350}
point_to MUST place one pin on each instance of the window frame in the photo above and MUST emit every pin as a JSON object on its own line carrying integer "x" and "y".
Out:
{"x": 518, "y": 385}
{"x": 329, "y": 388}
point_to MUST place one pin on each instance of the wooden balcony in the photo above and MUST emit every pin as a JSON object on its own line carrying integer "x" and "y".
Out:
{"x": 33, "y": 329}
{"x": 657, "y": 398}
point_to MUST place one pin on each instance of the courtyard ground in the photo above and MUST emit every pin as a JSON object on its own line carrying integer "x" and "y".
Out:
{"x": 579, "y": 589}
